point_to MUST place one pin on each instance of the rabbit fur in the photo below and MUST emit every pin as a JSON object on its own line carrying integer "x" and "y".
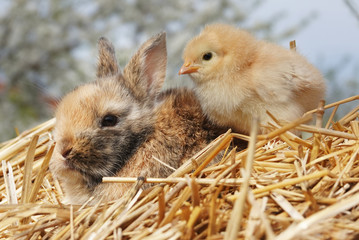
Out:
{"x": 116, "y": 125}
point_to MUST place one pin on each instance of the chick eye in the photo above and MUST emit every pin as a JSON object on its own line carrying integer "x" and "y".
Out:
{"x": 109, "y": 120}
{"x": 207, "y": 56}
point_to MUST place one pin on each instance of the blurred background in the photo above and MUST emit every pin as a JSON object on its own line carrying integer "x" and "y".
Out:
{"x": 47, "y": 47}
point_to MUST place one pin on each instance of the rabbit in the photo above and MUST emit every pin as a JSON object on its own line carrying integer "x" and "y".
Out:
{"x": 116, "y": 125}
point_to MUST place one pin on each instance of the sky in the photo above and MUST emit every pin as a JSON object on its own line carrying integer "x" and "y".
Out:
{"x": 332, "y": 35}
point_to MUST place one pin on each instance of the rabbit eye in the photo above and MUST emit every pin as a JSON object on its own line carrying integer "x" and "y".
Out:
{"x": 207, "y": 56}
{"x": 109, "y": 120}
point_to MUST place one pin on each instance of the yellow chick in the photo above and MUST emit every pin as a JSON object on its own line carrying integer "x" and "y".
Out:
{"x": 238, "y": 77}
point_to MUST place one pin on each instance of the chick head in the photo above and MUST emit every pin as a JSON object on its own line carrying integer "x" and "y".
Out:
{"x": 219, "y": 49}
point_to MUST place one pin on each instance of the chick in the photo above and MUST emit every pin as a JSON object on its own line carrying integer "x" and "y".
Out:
{"x": 238, "y": 77}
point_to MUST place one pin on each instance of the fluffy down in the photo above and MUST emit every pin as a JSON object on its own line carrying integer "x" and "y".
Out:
{"x": 238, "y": 77}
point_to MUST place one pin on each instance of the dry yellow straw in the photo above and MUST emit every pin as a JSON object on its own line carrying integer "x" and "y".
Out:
{"x": 41, "y": 175}
{"x": 288, "y": 126}
{"x": 200, "y": 207}
{"x": 292, "y": 181}
{"x": 326, "y": 213}
{"x": 9, "y": 182}
{"x": 203, "y": 181}
{"x": 336, "y": 103}
{"x": 237, "y": 213}
{"x": 26, "y": 188}
{"x": 324, "y": 131}
{"x": 191, "y": 221}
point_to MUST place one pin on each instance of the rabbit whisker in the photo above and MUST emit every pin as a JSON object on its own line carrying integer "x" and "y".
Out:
{"x": 163, "y": 163}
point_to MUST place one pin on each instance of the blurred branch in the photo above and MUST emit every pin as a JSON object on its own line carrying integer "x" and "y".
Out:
{"x": 352, "y": 8}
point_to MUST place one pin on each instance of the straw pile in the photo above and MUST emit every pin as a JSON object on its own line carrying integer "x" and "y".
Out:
{"x": 280, "y": 187}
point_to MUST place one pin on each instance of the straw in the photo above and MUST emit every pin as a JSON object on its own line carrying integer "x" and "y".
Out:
{"x": 292, "y": 188}
{"x": 237, "y": 213}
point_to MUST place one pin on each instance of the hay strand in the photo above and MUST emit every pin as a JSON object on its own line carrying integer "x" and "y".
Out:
{"x": 42, "y": 173}
{"x": 26, "y": 187}
{"x": 237, "y": 213}
{"x": 296, "y": 189}
{"x": 331, "y": 211}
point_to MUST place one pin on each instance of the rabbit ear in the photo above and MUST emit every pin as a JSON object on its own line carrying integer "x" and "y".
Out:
{"x": 107, "y": 64}
{"x": 145, "y": 73}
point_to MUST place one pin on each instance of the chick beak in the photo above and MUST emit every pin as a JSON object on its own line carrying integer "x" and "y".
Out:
{"x": 187, "y": 68}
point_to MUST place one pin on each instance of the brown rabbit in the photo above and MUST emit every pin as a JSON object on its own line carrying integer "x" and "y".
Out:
{"x": 118, "y": 124}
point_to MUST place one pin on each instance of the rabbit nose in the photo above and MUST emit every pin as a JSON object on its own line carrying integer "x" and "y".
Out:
{"x": 66, "y": 152}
